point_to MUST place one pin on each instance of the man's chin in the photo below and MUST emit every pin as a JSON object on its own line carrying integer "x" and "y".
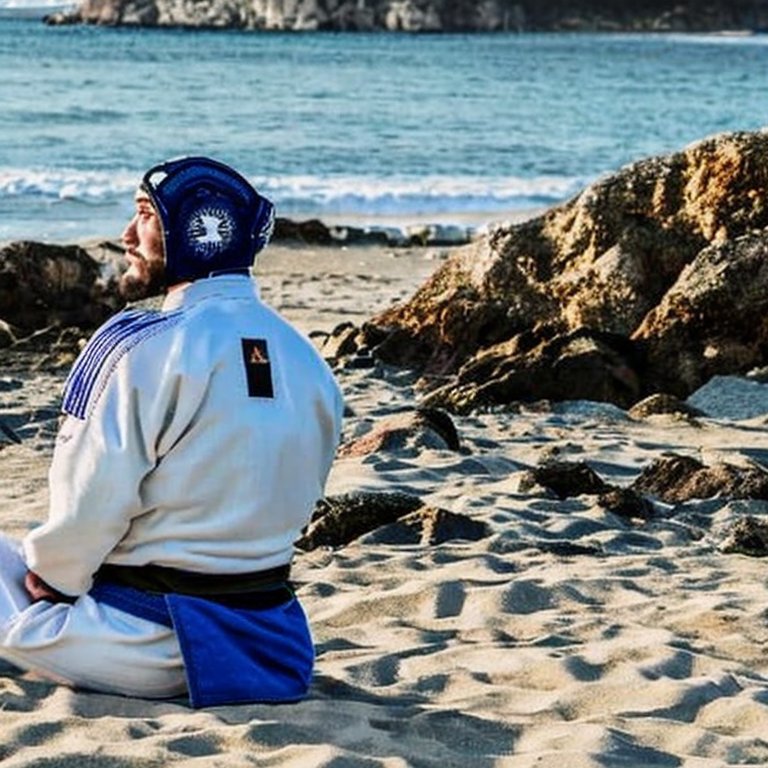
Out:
{"x": 133, "y": 288}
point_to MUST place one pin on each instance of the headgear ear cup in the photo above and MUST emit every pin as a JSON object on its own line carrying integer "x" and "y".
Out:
{"x": 213, "y": 220}
{"x": 264, "y": 224}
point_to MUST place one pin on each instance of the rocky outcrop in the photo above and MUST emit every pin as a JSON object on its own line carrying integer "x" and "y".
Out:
{"x": 425, "y": 15}
{"x": 652, "y": 280}
{"x": 315, "y": 232}
{"x": 675, "y": 479}
{"x": 54, "y": 286}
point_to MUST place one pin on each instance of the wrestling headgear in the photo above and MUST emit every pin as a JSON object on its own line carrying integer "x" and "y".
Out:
{"x": 213, "y": 220}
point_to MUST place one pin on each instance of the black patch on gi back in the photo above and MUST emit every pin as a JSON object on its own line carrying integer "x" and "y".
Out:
{"x": 258, "y": 369}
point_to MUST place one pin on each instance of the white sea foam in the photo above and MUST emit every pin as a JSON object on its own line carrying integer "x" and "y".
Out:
{"x": 312, "y": 195}
{"x": 415, "y": 197}
{"x": 24, "y": 4}
{"x": 33, "y": 9}
{"x": 65, "y": 184}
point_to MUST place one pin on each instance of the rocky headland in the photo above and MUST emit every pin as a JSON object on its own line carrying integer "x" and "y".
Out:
{"x": 426, "y": 15}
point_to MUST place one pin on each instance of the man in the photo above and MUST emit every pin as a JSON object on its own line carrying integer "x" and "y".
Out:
{"x": 195, "y": 443}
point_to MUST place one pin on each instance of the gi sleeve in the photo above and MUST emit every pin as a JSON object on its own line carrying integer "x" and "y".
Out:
{"x": 101, "y": 461}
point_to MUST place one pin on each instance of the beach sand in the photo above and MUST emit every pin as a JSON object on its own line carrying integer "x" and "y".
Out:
{"x": 645, "y": 647}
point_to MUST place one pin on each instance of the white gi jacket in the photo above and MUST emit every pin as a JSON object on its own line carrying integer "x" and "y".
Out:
{"x": 198, "y": 438}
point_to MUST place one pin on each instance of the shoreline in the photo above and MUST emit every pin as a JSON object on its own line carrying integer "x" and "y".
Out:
{"x": 394, "y": 231}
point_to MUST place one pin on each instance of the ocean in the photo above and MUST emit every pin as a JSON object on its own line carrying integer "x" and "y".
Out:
{"x": 357, "y": 128}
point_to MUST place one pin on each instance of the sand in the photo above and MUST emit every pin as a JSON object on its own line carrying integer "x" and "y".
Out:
{"x": 648, "y": 649}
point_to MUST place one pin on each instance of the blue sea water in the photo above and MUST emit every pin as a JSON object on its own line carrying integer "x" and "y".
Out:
{"x": 362, "y": 128}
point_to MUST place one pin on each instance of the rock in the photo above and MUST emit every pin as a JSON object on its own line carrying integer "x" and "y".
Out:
{"x": 430, "y": 526}
{"x": 437, "y": 235}
{"x": 731, "y": 397}
{"x": 711, "y": 321}
{"x": 746, "y": 536}
{"x": 343, "y": 341}
{"x": 663, "y": 403}
{"x": 396, "y": 518}
{"x": 565, "y": 479}
{"x": 675, "y": 479}
{"x": 315, "y": 232}
{"x": 310, "y": 232}
{"x": 626, "y": 503}
{"x": 425, "y": 428}
{"x": 338, "y": 520}
{"x": 583, "y": 365}
{"x": 661, "y": 268}
{"x": 52, "y": 286}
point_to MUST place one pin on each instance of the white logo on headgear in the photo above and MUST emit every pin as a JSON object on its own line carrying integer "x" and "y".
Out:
{"x": 210, "y": 230}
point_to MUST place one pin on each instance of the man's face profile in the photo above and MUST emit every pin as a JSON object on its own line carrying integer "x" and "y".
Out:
{"x": 144, "y": 252}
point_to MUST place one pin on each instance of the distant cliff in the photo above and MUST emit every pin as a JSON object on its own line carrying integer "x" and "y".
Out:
{"x": 429, "y": 15}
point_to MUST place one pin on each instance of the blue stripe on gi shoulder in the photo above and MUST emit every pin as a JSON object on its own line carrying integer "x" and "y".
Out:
{"x": 104, "y": 350}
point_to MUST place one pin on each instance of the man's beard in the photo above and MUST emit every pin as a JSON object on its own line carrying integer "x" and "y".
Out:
{"x": 134, "y": 287}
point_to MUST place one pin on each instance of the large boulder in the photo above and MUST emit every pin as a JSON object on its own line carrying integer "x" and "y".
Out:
{"x": 713, "y": 320}
{"x": 652, "y": 279}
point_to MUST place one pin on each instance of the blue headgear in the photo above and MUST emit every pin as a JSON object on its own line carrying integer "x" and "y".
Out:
{"x": 213, "y": 220}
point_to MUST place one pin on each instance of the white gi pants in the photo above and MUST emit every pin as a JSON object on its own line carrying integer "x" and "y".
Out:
{"x": 85, "y": 644}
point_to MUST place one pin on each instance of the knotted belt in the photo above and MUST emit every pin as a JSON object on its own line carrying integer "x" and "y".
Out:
{"x": 255, "y": 589}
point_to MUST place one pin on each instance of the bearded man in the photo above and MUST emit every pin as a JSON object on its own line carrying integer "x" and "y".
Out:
{"x": 196, "y": 440}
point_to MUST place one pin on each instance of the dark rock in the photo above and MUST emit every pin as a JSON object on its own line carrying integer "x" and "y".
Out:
{"x": 437, "y": 235}
{"x": 665, "y": 476}
{"x": 431, "y": 526}
{"x": 343, "y": 341}
{"x": 746, "y": 536}
{"x": 359, "y": 361}
{"x": 711, "y": 321}
{"x": 675, "y": 479}
{"x": 583, "y": 365}
{"x": 53, "y": 286}
{"x": 339, "y": 520}
{"x": 311, "y": 232}
{"x": 422, "y": 428}
{"x": 315, "y": 232}
{"x": 626, "y": 503}
{"x": 566, "y": 479}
